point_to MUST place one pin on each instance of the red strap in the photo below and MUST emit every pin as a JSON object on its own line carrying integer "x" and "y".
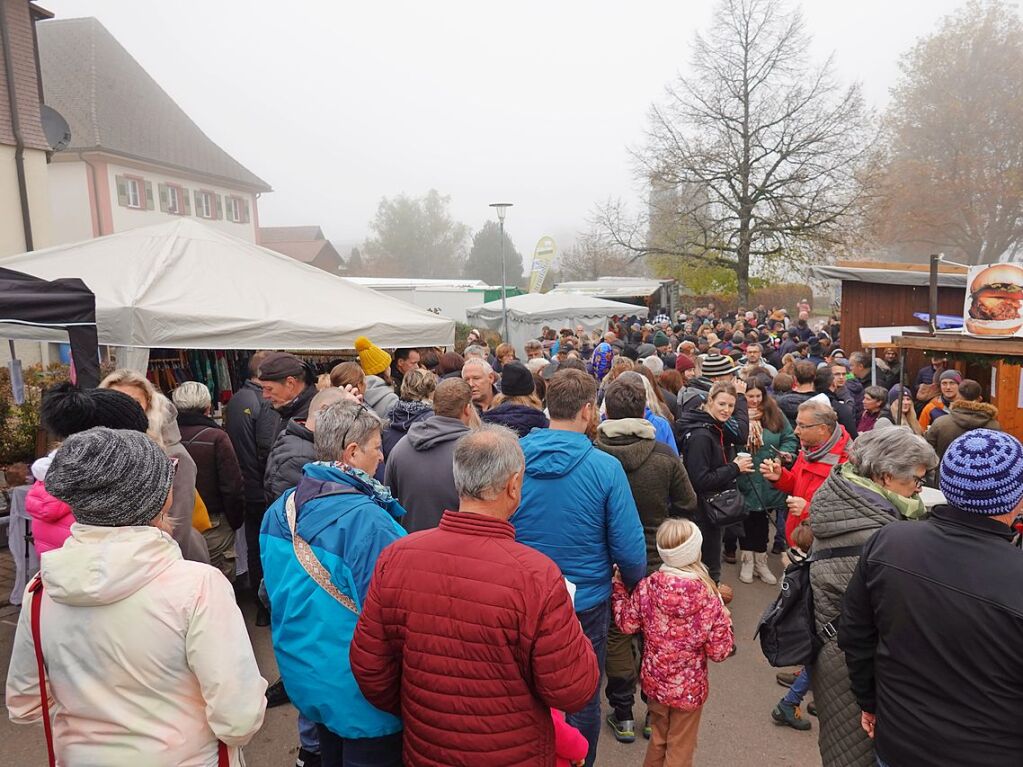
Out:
{"x": 36, "y": 588}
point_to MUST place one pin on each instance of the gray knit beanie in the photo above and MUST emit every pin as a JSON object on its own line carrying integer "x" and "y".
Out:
{"x": 111, "y": 478}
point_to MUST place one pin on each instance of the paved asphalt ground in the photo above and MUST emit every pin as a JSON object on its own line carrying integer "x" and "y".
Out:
{"x": 736, "y": 730}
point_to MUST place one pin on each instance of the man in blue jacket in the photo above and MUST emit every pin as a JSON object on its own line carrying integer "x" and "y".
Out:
{"x": 578, "y": 509}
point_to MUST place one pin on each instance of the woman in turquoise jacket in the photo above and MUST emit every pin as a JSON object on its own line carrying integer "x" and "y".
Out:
{"x": 319, "y": 543}
{"x": 770, "y": 434}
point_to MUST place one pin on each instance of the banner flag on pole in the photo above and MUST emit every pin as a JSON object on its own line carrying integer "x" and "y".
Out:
{"x": 543, "y": 257}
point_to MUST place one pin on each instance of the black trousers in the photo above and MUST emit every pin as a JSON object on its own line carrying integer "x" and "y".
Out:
{"x": 755, "y": 530}
{"x": 711, "y": 552}
{"x": 253, "y": 521}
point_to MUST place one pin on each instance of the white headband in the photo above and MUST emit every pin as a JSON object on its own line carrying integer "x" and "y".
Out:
{"x": 685, "y": 553}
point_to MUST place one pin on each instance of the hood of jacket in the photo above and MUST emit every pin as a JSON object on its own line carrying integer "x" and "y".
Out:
{"x": 378, "y": 392}
{"x": 972, "y": 415}
{"x": 295, "y": 428}
{"x": 171, "y": 434}
{"x": 196, "y": 419}
{"x": 406, "y": 412}
{"x": 424, "y": 435}
{"x": 679, "y": 597}
{"x": 696, "y": 419}
{"x": 42, "y": 506}
{"x": 103, "y": 565}
{"x": 322, "y": 479}
{"x": 519, "y": 418}
{"x": 630, "y": 440}
{"x": 552, "y": 453}
{"x": 840, "y": 506}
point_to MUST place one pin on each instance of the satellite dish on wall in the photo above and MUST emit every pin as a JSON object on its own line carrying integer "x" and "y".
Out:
{"x": 57, "y": 131}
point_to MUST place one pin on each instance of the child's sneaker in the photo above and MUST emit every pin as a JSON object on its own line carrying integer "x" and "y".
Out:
{"x": 624, "y": 730}
{"x": 785, "y": 714}
{"x": 648, "y": 731}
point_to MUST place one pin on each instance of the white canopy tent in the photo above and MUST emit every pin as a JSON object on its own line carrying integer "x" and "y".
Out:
{"x": 185, "y": 285}
{"x": 528, "y": 313}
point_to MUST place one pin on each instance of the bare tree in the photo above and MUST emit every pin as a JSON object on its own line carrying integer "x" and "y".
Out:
{"x": 953, "y": 176}
{"x": 753, "y": 155}
{"x": 592, "y": 257}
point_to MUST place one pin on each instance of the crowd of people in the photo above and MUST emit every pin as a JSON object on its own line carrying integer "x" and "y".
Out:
{"x": 453, "y": 550}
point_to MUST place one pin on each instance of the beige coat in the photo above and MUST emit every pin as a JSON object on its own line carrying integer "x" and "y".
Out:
{"x": 147, "y": 656}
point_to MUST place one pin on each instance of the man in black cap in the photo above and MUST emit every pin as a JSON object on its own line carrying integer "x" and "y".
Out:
{"x": 288, "y": 384}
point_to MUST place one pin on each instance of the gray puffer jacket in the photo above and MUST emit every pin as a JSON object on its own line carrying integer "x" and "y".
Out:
{"x": 841, "y": 514}
{"x": 292, "y": 450}
{"x": 379, "y": 396}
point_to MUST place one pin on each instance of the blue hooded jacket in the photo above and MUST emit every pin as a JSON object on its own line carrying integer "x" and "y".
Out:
{"x": 347, "y": 526}
{"x": 578, "y": 509}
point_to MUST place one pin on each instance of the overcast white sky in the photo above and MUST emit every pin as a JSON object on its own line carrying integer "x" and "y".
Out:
{"x": 337, "y": 104}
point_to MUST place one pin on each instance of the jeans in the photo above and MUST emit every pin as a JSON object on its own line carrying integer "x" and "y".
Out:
{"x": 711, "y": 553}
{"x": 588, "y": 721}
{"x": 799, "y": 688}
{"x": 779, "y": 533}
{"x": 336, "y": 751}
{"x": 308, "y": 736}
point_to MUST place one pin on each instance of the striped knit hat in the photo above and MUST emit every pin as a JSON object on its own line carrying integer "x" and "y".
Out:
{"x": 982, "y": 472}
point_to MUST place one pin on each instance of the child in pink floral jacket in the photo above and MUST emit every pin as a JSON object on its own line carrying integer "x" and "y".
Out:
{"x": 683, "y": 621}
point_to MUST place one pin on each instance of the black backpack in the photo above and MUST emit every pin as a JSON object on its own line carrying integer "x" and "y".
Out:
{"x": 787, "y": 630}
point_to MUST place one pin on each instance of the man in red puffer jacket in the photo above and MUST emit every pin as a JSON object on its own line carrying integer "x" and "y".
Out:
{"x": 469, "y": 636}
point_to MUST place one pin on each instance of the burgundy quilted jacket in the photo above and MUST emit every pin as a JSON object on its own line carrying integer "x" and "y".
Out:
{"x": 471, "y": 638}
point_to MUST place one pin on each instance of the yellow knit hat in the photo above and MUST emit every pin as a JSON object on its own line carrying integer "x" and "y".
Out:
{"x": 373, "y": 359}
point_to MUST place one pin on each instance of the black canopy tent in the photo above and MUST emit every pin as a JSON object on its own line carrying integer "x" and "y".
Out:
{"x": 65, "y": 303}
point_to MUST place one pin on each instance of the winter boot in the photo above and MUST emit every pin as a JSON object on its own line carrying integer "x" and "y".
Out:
{"x": 763, "y": 572}
{"x": 624, "y": 729}
{"x": 785, "y": 714}
{"x": 746, "y": 566}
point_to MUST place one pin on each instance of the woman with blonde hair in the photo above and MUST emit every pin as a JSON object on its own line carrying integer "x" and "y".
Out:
{"x": 415, "y": 404}
{"x": 684, "y": 622}
{"x": 163, "y": 430}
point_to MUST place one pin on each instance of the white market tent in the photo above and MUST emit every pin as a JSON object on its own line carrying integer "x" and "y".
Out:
{"x": 528, "y": 313}
{"x": 185, "y": 285}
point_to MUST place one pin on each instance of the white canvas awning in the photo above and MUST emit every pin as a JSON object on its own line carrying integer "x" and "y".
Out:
{"x": 185, "y": 285}
{"x": 528, "y": 313}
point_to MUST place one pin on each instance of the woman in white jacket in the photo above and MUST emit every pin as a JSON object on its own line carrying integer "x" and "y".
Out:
{"x": 146, "y": 654}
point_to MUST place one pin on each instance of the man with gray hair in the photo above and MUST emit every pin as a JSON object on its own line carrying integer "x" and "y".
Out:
{"x": 534, "y": 350}
{"x": 463, "y": 627}
{"x": 482, "y": 379}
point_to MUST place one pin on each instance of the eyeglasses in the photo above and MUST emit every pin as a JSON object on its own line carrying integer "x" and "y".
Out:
{"x": 358, "y": 415}
{"x": 919, "y": 480}
{"x": 804, "y": 426}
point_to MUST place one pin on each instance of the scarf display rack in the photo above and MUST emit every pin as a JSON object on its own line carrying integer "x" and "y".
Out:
{"x": 221, "y": 371}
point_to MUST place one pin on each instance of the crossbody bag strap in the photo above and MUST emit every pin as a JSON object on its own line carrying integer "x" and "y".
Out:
{"x": 36, "y": 588}
{"x": 223, "y": 760}
{"x": 828, "y": 630}
{"x": 307, "y": 558}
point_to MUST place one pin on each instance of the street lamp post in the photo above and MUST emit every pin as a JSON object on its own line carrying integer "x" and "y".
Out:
{"x": 502, "y": 208}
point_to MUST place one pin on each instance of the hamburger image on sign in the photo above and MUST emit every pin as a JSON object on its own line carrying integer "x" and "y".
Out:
{"x": 996, "y": 295}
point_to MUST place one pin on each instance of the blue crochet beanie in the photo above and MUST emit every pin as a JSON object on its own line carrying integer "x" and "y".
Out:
{"x": 982, "y": 472}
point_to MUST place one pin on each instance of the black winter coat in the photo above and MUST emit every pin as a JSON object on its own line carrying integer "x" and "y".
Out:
{"x": 932, "y": 624}
{"x": 521, "y": 419}
{"x": 707, "y": 449}
{"x": 253, "y": 425}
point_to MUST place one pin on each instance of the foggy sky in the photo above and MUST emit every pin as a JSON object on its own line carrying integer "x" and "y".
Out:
{"x": 336, "y": 104}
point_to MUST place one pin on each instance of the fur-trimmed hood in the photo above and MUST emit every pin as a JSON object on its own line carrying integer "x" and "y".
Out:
{"x": 974, "y": 409}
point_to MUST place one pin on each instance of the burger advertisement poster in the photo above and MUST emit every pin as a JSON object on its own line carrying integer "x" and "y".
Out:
{"x": 994, "y": 298}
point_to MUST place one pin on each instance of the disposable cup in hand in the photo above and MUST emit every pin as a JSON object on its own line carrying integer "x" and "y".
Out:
{"x": 744, "y": 456}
